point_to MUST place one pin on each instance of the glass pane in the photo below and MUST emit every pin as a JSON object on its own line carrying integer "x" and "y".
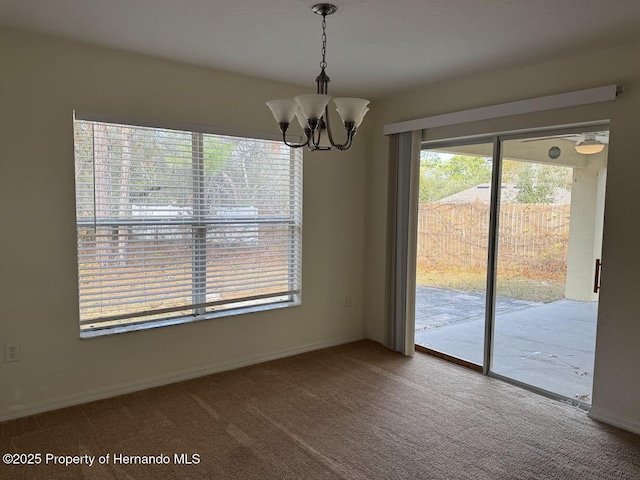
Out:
{"x": 178, "y": 224}
{"x": 549, "y": 236}
{"x": 453, "y": 228}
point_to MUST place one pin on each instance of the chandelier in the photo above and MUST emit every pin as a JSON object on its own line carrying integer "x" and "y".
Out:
{"x": 312, "y": 110}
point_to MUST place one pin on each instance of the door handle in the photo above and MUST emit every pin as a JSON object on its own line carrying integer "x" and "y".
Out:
{"x": 596, "y": 280}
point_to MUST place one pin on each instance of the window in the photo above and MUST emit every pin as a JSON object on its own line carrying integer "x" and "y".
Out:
{"x": 178, "y": 225}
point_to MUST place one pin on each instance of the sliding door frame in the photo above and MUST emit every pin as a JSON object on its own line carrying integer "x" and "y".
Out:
{"x": 492, "y": 253}
{"x": 492, "y": 242}
{"x": 491, "y": 139}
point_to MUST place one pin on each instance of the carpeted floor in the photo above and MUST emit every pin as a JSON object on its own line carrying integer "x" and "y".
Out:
{"x": 357, "y": 411}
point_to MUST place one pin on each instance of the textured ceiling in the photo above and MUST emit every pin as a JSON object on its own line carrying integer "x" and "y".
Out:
{"x": 375, "y": 47}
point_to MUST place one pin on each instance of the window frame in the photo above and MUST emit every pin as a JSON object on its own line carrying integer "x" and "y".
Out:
{"x": 200, "y": 223}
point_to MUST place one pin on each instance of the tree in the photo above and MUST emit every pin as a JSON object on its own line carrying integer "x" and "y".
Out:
{"x": 103, "y": 206}
{"x": 537, "y": 183}
{"x": 443, "y": 175}
{"x": 124, "y": 204}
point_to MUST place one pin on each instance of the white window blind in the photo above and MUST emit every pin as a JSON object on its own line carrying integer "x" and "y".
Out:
{"x": 178, "y": 225}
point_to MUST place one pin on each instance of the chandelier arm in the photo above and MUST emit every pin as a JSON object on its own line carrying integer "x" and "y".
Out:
{"x": 350, "y": 130}
{"x": 316, "y": 143}
{"x": 326, "y": 122}
{"x": 346, "y": 145}
{"x": 350, "y": 141}
{"x": 283, "y": 129}
{"x": 294, "y": 145}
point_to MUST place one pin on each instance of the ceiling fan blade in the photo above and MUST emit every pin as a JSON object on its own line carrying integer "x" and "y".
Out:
{"x": 547, "y": 138}
{"x": 602, "y": 136}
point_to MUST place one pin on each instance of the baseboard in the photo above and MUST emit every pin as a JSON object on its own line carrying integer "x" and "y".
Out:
{"x": 113, "y": 391}
{"x": 628, "y": 424}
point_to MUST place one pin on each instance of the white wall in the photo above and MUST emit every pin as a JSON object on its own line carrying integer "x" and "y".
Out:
{"x": 585, "y": 234}
{"x": 616, "y": 395}
{"x": 43, "y": 80}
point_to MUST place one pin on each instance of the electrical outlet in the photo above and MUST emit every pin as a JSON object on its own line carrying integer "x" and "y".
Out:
{"x": 11, "y": 352}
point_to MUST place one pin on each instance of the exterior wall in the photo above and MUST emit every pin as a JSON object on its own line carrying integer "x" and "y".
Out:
{"x": 43, "y": 80}
{"x": 585, "y": 235}
{"x": 616, "y": 379}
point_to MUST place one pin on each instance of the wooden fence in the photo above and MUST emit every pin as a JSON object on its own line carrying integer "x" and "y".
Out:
{"x": 531, "y": 236}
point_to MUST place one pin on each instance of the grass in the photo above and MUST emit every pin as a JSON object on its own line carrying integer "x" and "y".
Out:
{"x": 533, "y": 286}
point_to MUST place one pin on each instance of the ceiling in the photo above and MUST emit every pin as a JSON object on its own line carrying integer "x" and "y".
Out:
{"x": 374, "y": 47}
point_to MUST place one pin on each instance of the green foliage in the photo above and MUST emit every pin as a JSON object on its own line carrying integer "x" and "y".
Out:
{"x": 216, "y": 152}
{"x": 537, "y": 183}
{"x": 441, "y": 175}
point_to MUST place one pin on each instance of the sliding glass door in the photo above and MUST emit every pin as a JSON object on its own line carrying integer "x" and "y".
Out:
{"x": 507, "y": 251}
{"x": 549, "y": 239}
{"x": 453, "y": 232}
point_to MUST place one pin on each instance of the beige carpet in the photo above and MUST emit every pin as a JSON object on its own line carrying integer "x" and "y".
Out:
{"x": 352, "y": 412}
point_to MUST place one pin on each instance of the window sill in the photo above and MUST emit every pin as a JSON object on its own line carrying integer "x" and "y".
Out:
{"x": 180, "y": 320}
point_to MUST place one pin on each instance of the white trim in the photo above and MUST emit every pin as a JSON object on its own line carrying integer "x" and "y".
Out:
{"x": 14, "y": 412}
{"x": 187, "y": 127}
{"x": 532, "y": 132}
{"x": 550, "y": 102}
{"x": 100, "y": 332}
{"x": 625, "y": 423}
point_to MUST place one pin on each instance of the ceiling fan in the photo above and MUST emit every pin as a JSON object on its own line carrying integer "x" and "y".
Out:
{"x": 586, "y": 143}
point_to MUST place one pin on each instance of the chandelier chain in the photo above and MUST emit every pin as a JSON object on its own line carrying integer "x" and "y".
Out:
{"x": 323, "y": 63}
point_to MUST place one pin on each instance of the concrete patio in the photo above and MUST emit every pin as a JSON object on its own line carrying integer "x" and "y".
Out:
{"x": 550, "y": 346}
